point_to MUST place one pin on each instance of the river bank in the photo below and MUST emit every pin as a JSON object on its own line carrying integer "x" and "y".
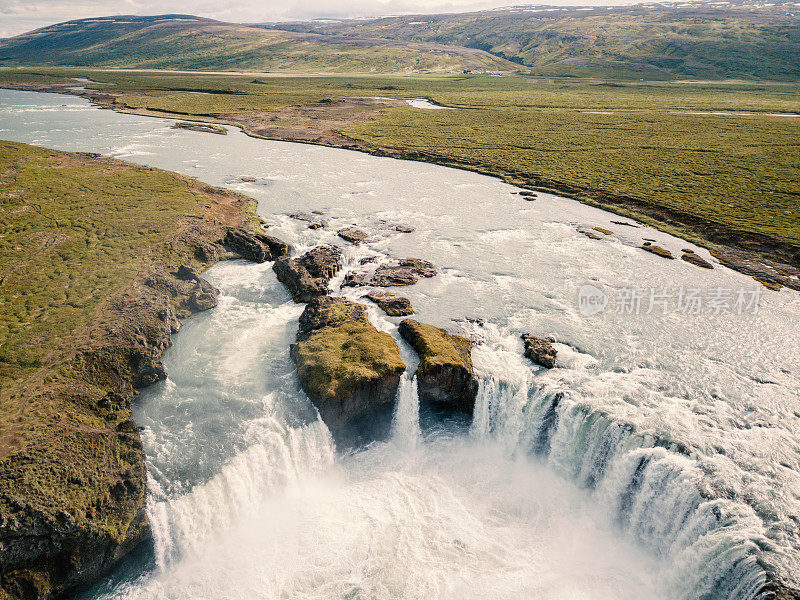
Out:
{"x": 768, "y": 259}
{"x": 100, "y": 262}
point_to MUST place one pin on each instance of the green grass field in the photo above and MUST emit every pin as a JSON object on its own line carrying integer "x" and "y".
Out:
{"x": 72, "y": 234}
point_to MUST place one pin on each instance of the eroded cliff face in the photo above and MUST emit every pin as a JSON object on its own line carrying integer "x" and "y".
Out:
{"x": 72, "y": 499}
{"x": 72, "y": 470}
{"x": 349, "y": 369}
{"x": 445, "y": 376}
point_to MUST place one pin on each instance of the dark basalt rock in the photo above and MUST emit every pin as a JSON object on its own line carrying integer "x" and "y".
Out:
{"x": 400, "y": 228}
{"x": 695, "y": 259}
{"x": 148, "y": 373}
{"x": 352, "y": 235}
{"x": 406, "y": 271}
{"x": 203, "y": 297}
{"x": 190, "y": 292}
{"x": 313, "y": 220}
{"x": 540, "y": 350}
{"x": 307, "y": 277}
{"x": 349, "y": 369}
{"x": 775, "y": 589}
{"x": 257, "y": 247}
{"x": 394, "y": 306}
{"x": 445, "y": 376}
{"x": 185, "y": 273}
{"x": 45, "y": 554}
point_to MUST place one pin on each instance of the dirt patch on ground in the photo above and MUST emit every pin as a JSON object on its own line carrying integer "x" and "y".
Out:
{"x": 316, "y": 123}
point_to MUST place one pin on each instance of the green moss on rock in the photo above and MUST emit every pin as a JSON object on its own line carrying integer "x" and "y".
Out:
{"x": 445, "y": 376}
{"x": 336, "y": 361}
{"x": 349, "y": 369}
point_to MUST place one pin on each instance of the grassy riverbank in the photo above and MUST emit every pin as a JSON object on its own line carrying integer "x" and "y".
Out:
{"x": 649, "y": 149}
{"x": 81, "y": 239}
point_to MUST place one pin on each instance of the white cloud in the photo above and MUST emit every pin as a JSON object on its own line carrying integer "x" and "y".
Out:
{"x": 17, "y": 16}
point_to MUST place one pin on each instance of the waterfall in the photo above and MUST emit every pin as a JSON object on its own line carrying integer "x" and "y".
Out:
{"x": 649, "y": 486}
{"x": 405, "y": 424}
{"x": 184, "y": 524}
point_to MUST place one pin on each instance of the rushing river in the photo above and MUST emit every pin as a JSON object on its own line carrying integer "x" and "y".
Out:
{"x": 660, "y": 461}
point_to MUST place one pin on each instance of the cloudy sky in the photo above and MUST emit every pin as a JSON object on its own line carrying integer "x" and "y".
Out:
{"x": 19, "y": 16}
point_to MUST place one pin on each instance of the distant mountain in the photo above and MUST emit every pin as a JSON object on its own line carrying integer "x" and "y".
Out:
{"x": 720, "y": 39}
{"x": 194, "y": 43}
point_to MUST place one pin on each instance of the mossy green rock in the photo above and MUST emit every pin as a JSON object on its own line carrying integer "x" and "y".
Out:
{"x": 349, "y": 369}
{"x": 445, "y": 376}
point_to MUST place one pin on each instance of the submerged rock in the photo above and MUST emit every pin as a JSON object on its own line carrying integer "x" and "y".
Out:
{"x": 349, "y": 369}
{"x": 603, "y": 230}
{"x": 540, "y": 350}
{"x": 308, "y": 277}
{"x": 257, "y": 247}
{"x": 406, "y": 271}
{"x": 691, "y": 257}
{"x": 352, "y": 235}
{"x": 657, "y": 250}
{"x": 445, "y": 377}
{"x": 590, "y": 234}
{"x": 400, "y": 228}
{"x": 314, "y": 221}
{"x": 394, "y": 306}
{"x": 201, "y": 127}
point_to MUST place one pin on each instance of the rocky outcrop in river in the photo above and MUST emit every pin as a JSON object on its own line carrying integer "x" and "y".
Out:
{"x": 692, "y": 257}
{"x": 540, "y": 350}
{"x": 352, "y": 235}
{"x": 445, "y": 376}
{"x": 257, "y": 247}
{"x": 405, "y": 271}
{"x": 349, "y": 369}
{"x": 308, "y": 277}
{"x": 394, "y": 306}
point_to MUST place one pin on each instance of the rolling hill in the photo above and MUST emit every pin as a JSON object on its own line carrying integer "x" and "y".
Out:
{"x": 193, "y": 43}
{"x": 707, "y": 40}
